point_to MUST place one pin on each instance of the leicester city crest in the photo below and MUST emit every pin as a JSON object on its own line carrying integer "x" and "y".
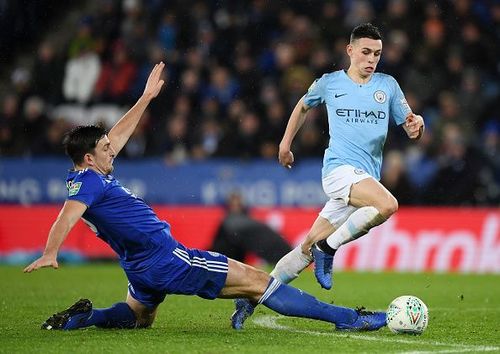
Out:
{"x": 380, "y": 96}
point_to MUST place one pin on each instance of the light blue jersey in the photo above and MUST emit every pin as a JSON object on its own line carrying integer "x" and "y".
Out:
{"x": 358, "y": 118}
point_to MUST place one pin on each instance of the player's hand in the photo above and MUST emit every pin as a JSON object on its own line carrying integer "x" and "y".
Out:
{"x": 43, "y": 261}
{"x": 154, "y": 83}
{"x": 285, "y": 157}
{"x": 414, "y": 125}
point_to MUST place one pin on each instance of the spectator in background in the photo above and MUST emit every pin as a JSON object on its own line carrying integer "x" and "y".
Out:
{"x": 177, "y": 143}
{"x": 309, "y": 142}
{"x": 450, "y": 112}
{"x": 421, "y": 162}
{"x": 476, "y": 53}
{"x": 83, "y": 39}
{"x": 116, "y": 77}
{"x": 245, "y": 141}
{"x": 330, "y": 24}
{"x": 276, "y": 118}
{"x": 35, "y": 125}
{"x": 80, "y": 76}
{"x": 223, "y": 87}
{"x": 491, "y": 143}
{"x": 10, "y": 127}
{"x": 137, "y": 43}
{"x": 21, "y": 82}
{"x": 457, "y": 179}
{"x": 207, "y": 139}
{"x": 155, "y": 55}
{"x": 239, "y": 235}
{"x": 52, "y": 144}
{"x": 321, "y": 61}
{"x": 106, "y": 22}
{"x": 358, "y": 12}
{"x": 394, "y": 59}
{"x": 454, "y": 68}
{"x": 246, "y": 74}
{"x": 47, "y": 74}
{"x": 472, "y": 99}
{"x": 394, "y": 177}
{"x": 167, "y": 32}
{"x": 190, "y": 84}
{"x": 398, "y": 17}
{"x": 490, "y": 169}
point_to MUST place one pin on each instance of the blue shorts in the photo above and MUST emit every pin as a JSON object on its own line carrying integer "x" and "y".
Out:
{"x": 183, "y": 271}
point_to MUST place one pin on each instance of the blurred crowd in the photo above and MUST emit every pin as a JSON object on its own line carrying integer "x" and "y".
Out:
{"x": 235, "y": 70}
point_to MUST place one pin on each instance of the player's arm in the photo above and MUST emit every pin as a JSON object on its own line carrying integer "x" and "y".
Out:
{"x": 414, "y": 126}
{"x": 297, "y": 119}
{"x": 67, "y": 218}
{"x": 123, "y": 129}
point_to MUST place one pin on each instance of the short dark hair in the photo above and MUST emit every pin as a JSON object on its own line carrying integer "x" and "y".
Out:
{"x": 82, "y": 140}
{"x": 365, "y": 30}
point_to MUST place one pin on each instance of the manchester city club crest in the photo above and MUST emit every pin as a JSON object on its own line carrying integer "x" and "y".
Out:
{"x": 380, "y": 96}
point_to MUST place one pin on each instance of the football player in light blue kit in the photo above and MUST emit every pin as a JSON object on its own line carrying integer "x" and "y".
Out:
{"x": 154, "y": 262}
{"x": 359, "y": 104}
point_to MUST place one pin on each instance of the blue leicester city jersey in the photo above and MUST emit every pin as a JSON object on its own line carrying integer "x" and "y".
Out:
{"x": 358, "y": 118}
{"x": 121, "y": 219}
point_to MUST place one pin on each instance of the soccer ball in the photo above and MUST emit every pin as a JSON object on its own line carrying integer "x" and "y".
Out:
{"x": 407, "y": 314}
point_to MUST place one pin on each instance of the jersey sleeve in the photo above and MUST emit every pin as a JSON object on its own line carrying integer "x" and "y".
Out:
{"x": 316, "y": 93}
{"x": 86, "y": 188}
{"x": 399, "y": 108}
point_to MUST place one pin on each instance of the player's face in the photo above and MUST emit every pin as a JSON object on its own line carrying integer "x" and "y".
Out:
{"x": 365, "y": 55}
{"x": 103, "y": 156}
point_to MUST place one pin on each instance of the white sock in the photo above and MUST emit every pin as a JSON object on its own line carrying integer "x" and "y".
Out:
{"x": 290, "y": 265}
{"x": 356, "y": 225}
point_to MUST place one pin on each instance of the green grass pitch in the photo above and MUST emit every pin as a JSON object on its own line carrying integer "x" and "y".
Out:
{"x": 464, "y": 313}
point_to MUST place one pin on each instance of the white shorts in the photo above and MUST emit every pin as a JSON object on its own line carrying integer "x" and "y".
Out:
{"x": 337, "y": 186}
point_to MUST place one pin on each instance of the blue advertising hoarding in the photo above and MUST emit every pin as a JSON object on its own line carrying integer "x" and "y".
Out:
{"x": 263, "y": 183}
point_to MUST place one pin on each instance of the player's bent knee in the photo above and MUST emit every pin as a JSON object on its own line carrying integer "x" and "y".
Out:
{"x": 389, "y": 207}
{"x": 393, "y": 205}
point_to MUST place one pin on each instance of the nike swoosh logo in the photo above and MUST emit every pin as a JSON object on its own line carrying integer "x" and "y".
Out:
{"x": 340, "y": 95}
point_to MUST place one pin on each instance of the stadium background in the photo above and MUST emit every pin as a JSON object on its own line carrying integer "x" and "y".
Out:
{"x": 235, "y": 69}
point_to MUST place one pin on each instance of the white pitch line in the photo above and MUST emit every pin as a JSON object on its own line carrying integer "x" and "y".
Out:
{"x": 269, "y": 321}
{"x": 458, "y": 350}
{"x": 443, "y": 309}
{"x": 472, "y": 309}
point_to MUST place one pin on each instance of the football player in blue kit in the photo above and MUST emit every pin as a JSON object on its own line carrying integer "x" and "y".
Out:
{"x": 359, "y": 104}
{"x": 154, "y": 262}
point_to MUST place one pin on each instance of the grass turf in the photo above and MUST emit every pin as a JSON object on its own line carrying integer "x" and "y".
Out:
{"x": 464, "y": 316}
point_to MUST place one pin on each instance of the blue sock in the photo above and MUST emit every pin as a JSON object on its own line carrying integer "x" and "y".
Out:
{"x": 120, "y": 315}
{"x": 290, "y": 301}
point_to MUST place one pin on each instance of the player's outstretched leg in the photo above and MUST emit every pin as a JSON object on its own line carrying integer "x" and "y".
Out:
{"x": 286, "y": 270}
{"x": 289, "y": 301}
{"x": 81, "y": 315}
{"x": 323, "y": 263}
